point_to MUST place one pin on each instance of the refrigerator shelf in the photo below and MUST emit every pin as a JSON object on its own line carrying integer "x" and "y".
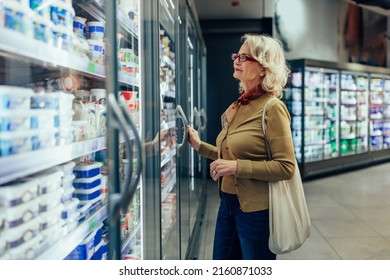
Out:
{"x": 168, "y": 188}
{"x": 66, "y": 244}
{"x": 129, "y": 242}
{"x": 24, "y": 164}
{"x": 39, "y": 52}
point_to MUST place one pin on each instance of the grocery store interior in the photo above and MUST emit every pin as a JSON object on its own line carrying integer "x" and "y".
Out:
{"x": 96, "y": 97}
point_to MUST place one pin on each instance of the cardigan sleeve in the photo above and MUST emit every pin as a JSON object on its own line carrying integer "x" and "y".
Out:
{"x": 278, "y": 135}
{"x": 208, "y": 150}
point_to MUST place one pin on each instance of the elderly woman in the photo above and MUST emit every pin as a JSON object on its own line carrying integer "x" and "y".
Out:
{"x": 241, "y": 165}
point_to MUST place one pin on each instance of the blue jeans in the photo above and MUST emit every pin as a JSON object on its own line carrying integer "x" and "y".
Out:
{"x": 240, "y": 235}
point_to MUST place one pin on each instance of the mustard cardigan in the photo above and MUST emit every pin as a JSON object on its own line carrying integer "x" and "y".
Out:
{"x": 244, "y": 141}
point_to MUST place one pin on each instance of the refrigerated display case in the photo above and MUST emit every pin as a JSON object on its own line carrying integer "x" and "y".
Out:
{"x": 97, "y": 115}
{"x": 338, "y": 118}
{"x": 53, "y": 193}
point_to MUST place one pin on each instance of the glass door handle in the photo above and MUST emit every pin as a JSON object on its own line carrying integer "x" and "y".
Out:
{"x": 121, "y": 121}
{"x": 131, "y": 187}
{"x": 180, "y": 114}
{"x": 117, "y": 122}
{"x": 203, "y": 114}
{"x": 197, "y": 120}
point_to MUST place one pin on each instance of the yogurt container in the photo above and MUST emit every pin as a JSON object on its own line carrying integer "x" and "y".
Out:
{"x": 48, "y": 181}
{"x": 87, "y": 170}
{"x": 70, "y": 210}
{"x": 79, "y": 26}
{"x": 27, "y": 250}
{"x": 95, "y": 50}
{"x": 62, "y": 38}
{"x": 38, "y": 8}
{"x": 50, "y": 200}
{"x": 15, "y": 98}
{"x": 88, "y": 194}
{"x": 62, "y": 14}
{"x": 95, "y": 30}
{"x": 50, "y": 218}
{"x": 87, "y": 183}
{"x": 11, "y": 120}
{"x": 41, "y": 28}
{"x": 15, "y": 16}
{"x": 16, "y": 216}
{"x": 97, "y": 94}
{"x": 68, "y": 194}
{"x": 18, "y": 192}
{"x": 83, "y": 95}
{"x": 67, "y": 181}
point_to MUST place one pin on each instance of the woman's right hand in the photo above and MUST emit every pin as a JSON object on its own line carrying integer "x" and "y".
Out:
{"x": 193, "y": 138}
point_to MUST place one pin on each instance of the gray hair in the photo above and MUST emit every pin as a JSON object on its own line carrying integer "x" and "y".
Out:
{"x": 269, "y": 53}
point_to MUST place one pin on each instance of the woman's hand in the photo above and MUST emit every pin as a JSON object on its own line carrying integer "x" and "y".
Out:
{"x": 222, "y": 167}
{"x": 193, "y": 138}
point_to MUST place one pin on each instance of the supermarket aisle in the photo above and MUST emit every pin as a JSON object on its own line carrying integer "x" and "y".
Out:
{"x": 350, "y": 217}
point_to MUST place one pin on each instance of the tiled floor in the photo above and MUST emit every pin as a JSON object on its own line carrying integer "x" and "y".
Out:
{"x": 350, "y": 216}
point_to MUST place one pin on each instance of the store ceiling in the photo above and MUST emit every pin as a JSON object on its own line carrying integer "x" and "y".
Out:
{"x": 230, "y": 9}
{"x": 250, "y": 9}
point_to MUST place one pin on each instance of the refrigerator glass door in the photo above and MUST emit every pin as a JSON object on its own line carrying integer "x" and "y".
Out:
{"x": 353, "y": 113}
{"x": 52, "y": 130}
{"x": 129, "y": 95}
{"x": 170, "y": 222}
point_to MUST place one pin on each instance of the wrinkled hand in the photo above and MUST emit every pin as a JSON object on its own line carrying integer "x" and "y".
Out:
{"x": 193, "y": 138}
{"x": 222, "y": 167}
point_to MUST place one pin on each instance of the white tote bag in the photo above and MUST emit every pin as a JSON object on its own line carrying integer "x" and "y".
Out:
{"x": 289, "y": 220}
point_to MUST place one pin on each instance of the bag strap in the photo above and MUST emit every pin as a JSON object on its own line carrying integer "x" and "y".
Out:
{"x": 264, "y": 125}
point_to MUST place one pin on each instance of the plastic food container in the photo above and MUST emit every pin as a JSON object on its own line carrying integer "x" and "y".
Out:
{"x": 95, "y": 30}
{"x": 15, "y": 16}
{"x": 87, "y": 170}
{"x": 84, "y": 251}
{"x": 27, "y": 250}
{"x": 45, "y": 139}
{"x": 18, "y": 235}
{"x": 66, "y": 168}
{"x": 15, "y": 143}
{"x": 48, "y": 181}
{"x": 41, "y": 28}
{"x": 11, "y": 120}
{"x": 98, "y": 94}
{"x": 70, "y": 210}
{"x": 18, "y": 192}
{"x": 50, "y": 218}
{"x": 45, "y": 101}
{"x": 44, "y": 119}
{"x": 62, "y": 14}
{"x": 52, "y": 234}
{"x": 78, "y": 26}
{"x": 68, "y": 194}
{"x": 83, "y": 95}
{"x": 18, "y": 215}
{"x": 50, "y": 200}
{"x": 12, "y": 98}
{"x": 87, "y": 183}
{"x": 62, "y": 38}
{"x": 67, "y": 182}
{"x": 88, "y": 194}
{"x": 95, "y": 50}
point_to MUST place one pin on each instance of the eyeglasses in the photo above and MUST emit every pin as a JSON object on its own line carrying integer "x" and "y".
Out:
{"x": 242, "y": 57}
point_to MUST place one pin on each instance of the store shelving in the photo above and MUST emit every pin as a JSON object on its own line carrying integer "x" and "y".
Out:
{"x": 337, "y": 115}
{"x": 24, "y": 164}
{"x": 70, "y": 240}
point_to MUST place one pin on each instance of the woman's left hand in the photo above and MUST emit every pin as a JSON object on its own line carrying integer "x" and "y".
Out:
{"x": 222, "y": 167}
